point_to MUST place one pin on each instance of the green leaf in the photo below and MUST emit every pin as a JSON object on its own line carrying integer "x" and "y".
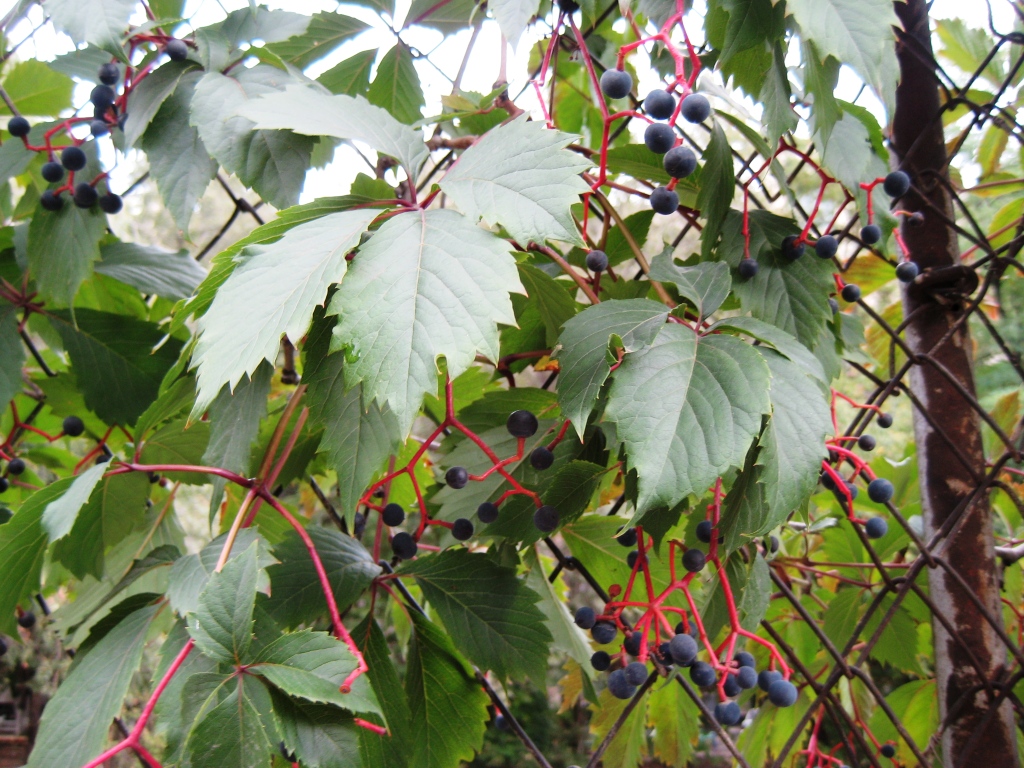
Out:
{"x": 22, "y": 551}
{"x": 357, "y": 441}
{"x": 638, "y": 161}
{"x": 296, "y": 596}
{"x": 778, "y": 115}
{"x": 62, "y": 246}
{"x": 916, "y": 704}
{"x": 235, "y": 425}
{"x": 319, "y": 736}
{"x": 821, "y": 75}
{"x": 351, "y": 76}
{"x": 627, "y": 749}
{"x": 396, "y": 86}
{"x": 116, "y": 359}
{"x": 783, "y": 342}
{"x": 36, "y": 89}
{"x": 583, "y": 349}
{"x": 99, "y": 22}
{"x": 687, "y": 408}
{"x": 793, "y": 442}
{"x": 274, "y": 163}
{"x": 315, "y": 113}
{"x": 222, "y": 623}
{"x": 448, "y": 708}
{"x": 427, "y": 283}
{"x": 59, "y": 515}
{"x": 258, "y": 23}
{"x": 325, "y": 33}
{"x": 676, "y": 723}
{"x": 704, "y": 285}
{"x": 841, "y": 616}
{"x": 178, "y": 159}
{"x": 12, "y": 354}
{"x": 566, "y": 636}
{"x": 390, "y": 751}
{"x": 179, "y": 443}
{"x": 555, "y": 303}
{"x": 447, "y": 17}
{"x": 858, "y": 33}
{"x": 172, "y": 402}
{"x": 489, "y": 614}
{"x": 286, "y": 279}
{"x": 521, "y": 176}
{"x": 718, "y": 183}
{"x": 233, "y": 734}
{"x": 312, "y": 666}
{"x": 850, "y": 154}
{"x": 76, "y": 722}
{"x": 791, "y": 295}
{"x": 148, "y": 96}
{"x": 513, "y": 16}
{"x": 191, "y": 573}
{"x": 151, "y": 270}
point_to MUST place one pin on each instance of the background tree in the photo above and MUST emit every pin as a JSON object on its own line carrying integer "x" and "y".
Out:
{"x": 576, "y": 429}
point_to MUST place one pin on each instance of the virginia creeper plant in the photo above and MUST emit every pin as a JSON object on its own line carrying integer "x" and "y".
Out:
{"x": 552, "y": 390}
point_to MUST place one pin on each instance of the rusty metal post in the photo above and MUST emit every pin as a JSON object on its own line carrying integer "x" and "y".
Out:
{"x": 950, "y": 469}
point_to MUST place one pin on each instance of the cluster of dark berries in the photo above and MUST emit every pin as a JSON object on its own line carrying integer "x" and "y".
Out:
{"x": 679, "y": 161}
{"x": 880, "y": 491}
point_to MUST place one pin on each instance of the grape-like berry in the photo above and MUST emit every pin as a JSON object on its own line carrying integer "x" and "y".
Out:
{"x": 906, "y": 271}
{"x": 16, "y": 466}
{"x": 521, "y": 424}
{"x": 27, "y": 620}
{"x": 884, "y": 420}
{"x": 850, "y": 292}
{"x": 747, "y": 268}
{"x": 109, "y": 73}
{"x": 867, "y": 442}
{"x": 702, "y": 674}
{"x": 619, "y": 686}
{"x": 603, "y": 632}
{"x": 636, "y": 673}
{"x": 694, "y": 560}
{"x": 487, "y": 512}
{"x": 731, "y": 686}
{"x": 102, "y": 97}
{"x": 746, "y": 677}
{"x": 73, "y": 426}
{"x": 888, "y": 750}
{"x": 880, "y": 490}
{"x": 51, "y": 201}
{"x": 404, "y": 545}
{"x": 393, "y": 515}
{"x": 462, "y": 529}
{"x": 876, "y": 528}
{"x": 660, "y": 104}
{"x": 833, "y": 305}
{"x": 176, "y": 50}
{"x": 18, "y": 127}
{"x": 73, "y": 158}
{"x": 545, "y": 519}
{"x": 659, "y": 138}
{"x": 728, "y": 713}
{"x": 680, "y": 162}
{"x": 766, "y": 678}
{"x": 52, "y": 172}
{"x": 664, "y": 201}
{"x": 585, "y": 617}
{"x": 871, "y": 234}
{"x": 696, "y": 108}
{"x": 896, "y": 184}
{"x": 683, "y": 649}
{"x": 456, "y": 477}
{"x": 744, "y": 659}
{"x": 826, "y": 247}
{"x": 704, "y": 531}
{"x": 541, "y": 458}
{"x": 791, "y": 249}
{"x": 627, "y": 537}
{"x": 597, "y": 261}
{"x": 85, "y": 195}
{"x": 616, "y": 83}
{"x": 600, "y": 660}
{"x": 782, "y": 693}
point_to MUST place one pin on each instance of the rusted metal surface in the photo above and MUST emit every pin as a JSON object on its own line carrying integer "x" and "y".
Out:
{"x": 982, "y": 732}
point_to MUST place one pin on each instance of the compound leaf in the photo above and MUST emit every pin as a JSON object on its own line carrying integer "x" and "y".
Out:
{"x": 286, "y": 280}
{"x": 427, "y": 283}
{"x": 490, "y": 615}
{"x": 520, "y": 175}
{"x": 687, "y": 409}
{"x": 222, "y": 623}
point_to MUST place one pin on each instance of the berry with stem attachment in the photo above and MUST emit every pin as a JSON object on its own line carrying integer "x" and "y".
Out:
{"x": 876, "y": 528}
{"x": 747, "y": 268}
{"x": 18, "y": 127}
{"x": 660, "y": 104}
{"x": 704, "y": 530}
{"x": 462, "y": 529}
{"x": 85, "y": 195}
{"x": 906, "y": 271}
{"x": 541, "y": 458}
{"x": 393, "y": 515}
{"x": 521, "y": 424}
{"x": 696, "y": 108}
{"x": 880, "y": 490}
{"x": 597, "y": 261}
{"x": 585, "y": 617}
{"x": 16, "y": 466}
{"x": 176, "y": 50}
{"x": 659, "y": 138}
{"x": 73, "y": 158}
{"x": 487, "y": 512}
{"x": 600, "y": 660}
{"x": 826, "y": 247}
{"x": 850, "y": 293}
{"x": 867, "y": 442}
{"x": 545, "y": 519}
{"x": 792, "y": 249}
{"x": 52, "y": 171}
{"x": 683, "y": 649}
{"x": 51, "y": 201}
{"x": 619, "y": 686}
{"x": 73, "y": 426}
{"x": 616, "y": 83}
{"x": 896, "y": 184}
{"x": 456, "y": 477}
{"x": 680, "y": 162}
{"x": 603, "y": 632}
{"x": 884, "y": 420}
{"x": 404, "y": 546}
{"x": 871, "y": 234}
{"x": 694, "y": 560}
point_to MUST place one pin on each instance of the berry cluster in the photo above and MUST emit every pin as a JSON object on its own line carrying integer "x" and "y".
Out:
{"x": 64, "y": 161}
{"x": 72, "y": 427}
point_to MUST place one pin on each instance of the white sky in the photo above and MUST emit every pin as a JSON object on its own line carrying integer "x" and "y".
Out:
{"x": 445, "y": 54}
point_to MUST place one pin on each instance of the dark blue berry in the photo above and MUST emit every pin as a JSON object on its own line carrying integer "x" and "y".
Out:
{"x": 704, "y": 531}
{"x": 51, "y": 201}
{"x": 731, "y": 686}
{"x": 702, "y": 674}
{"x": 73, "y": 158}
{"x": 766, "y": 678}
{"x": 782, "y": 693}
{"x": 696, "y": 108}
{"x": 393, "y": 515}
{"x": 744, "y": 659}
{"x": 404, "y": 545}
{"x": 603, "y": 632}
{"x": 906, "y": 271}
{"x": 680, "y": 162}
{"x": 487, "y": 512}
{"x": 826, "y": 247}
{"x": 896, "y": 184}
{"x": 884, "y": 420}
{"x": 597, "y": 261}
{"x": 176, "y": 50}
{"x": 619, "y": 686}
{"x": 462, "y": 529}
{"x": 791, "y": 249}
{"x": 866, "y": 442}
{"x": 586, "y": 617}
{"x": 636, "y": 673}
{"x": 683, "y": 649}
{"x": 541, "y": 458}
{"x": 109, "y": 73}
{"x": 16, "y": 466}
{"x": 521, "y": 424}
{"x": 746, "y": 677}
{"x": 600, "y": 660}
{"x": 660, "y": 104}
{"x": 545, "y": 519}
{"x": 871, "y": 234}
{"x": 694, "y": 560}
{"x": 664, "y": 201}
{"x": 456, "y": 477}
{"x": 18, "y": 127}
{"x": 880, "y": 490}
{"x": 728, "y": 713}
{"x": 616, "y": 83}
{"x": 747, "y": 268}
{"x": 85, "y": 195}
{"x": 52, "y": 172}
{"x": 659, "y": 138}
{"x": 876, "y": 528}
{"x": 626, "y": 537}
{"x": 850, "y": 293}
